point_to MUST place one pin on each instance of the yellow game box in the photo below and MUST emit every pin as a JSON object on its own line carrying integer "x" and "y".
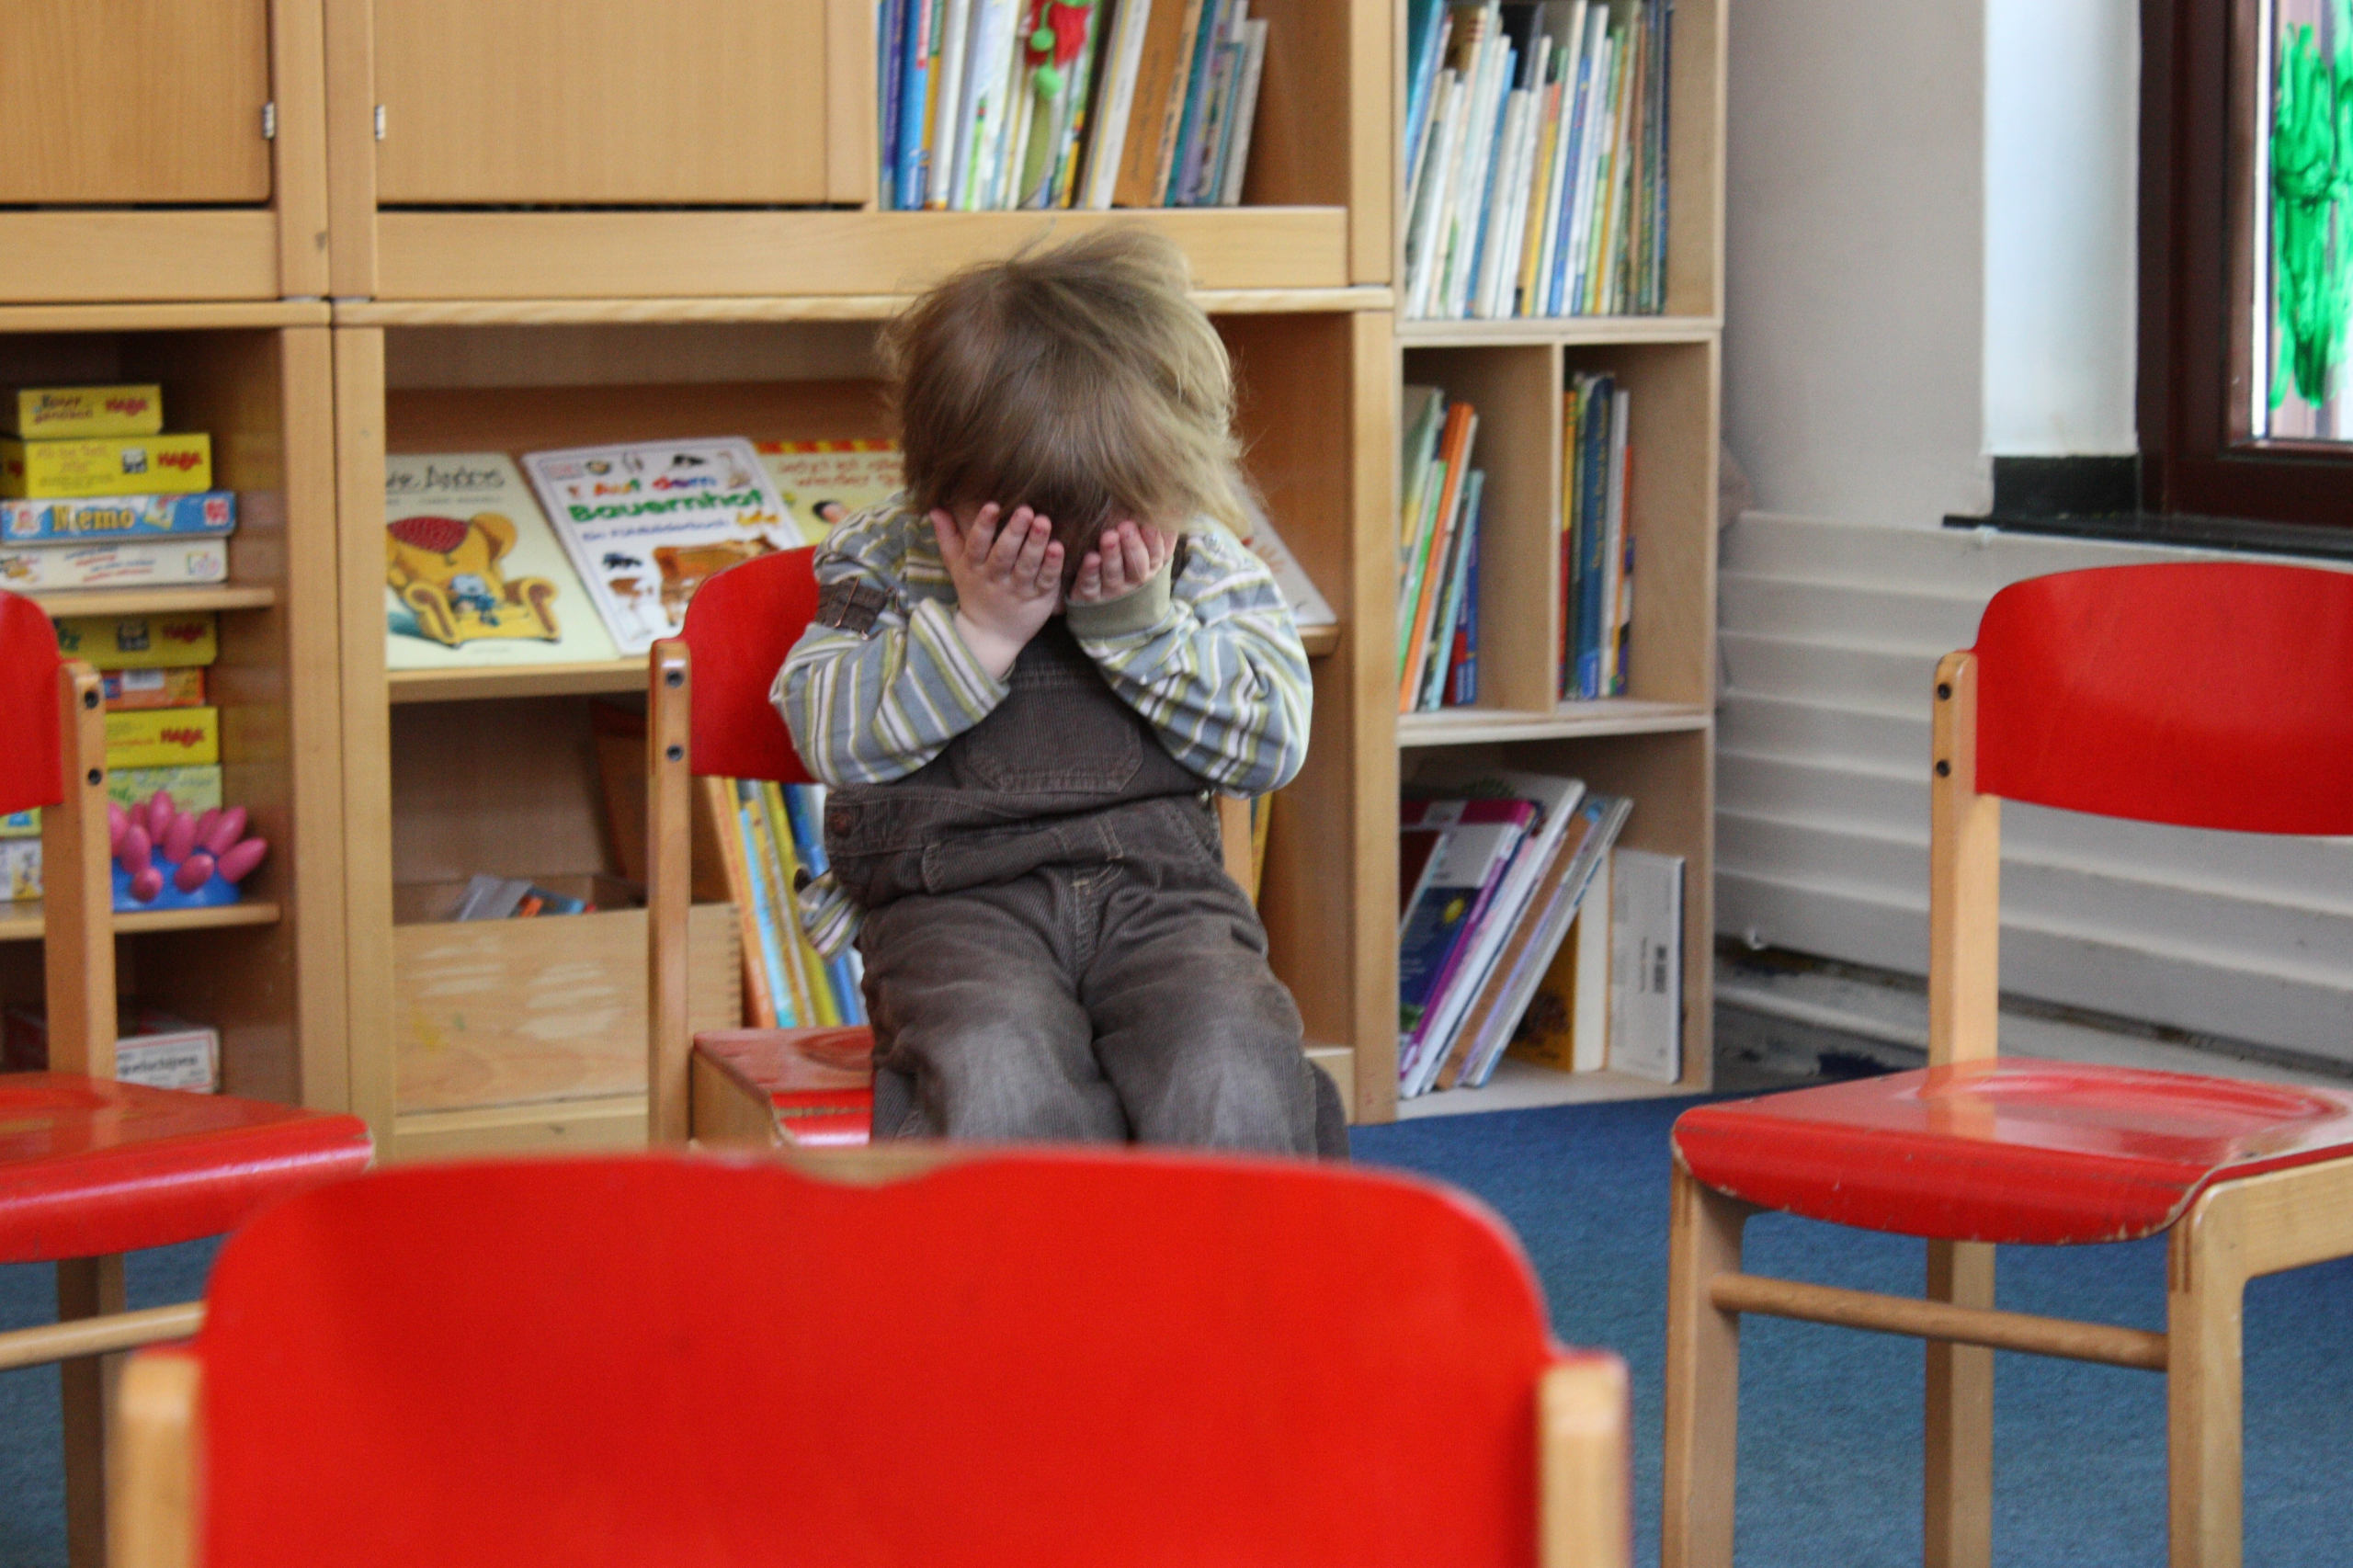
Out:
{"x": 140, "y": 642}
{"x": 109, "y": 465}
{"x": 163, "y": 738}
{"x": 191, "y": 789}
{"x": 48, "y": 413}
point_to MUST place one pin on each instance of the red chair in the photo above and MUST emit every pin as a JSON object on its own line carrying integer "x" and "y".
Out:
{"x": 709, "y": 714}
{"x": 1038, "y": 1360}
{"x": 2204, "y": 694}
{"x": 91, "y": 1168}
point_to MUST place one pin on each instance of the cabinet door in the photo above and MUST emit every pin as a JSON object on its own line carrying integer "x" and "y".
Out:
{"x": 107, "y": 101}
{"x": 577, "y": 101}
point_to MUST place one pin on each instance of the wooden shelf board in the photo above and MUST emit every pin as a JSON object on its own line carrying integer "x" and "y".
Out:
{"x": 607, "y": 675}
{"x": 156, "y": 601}
{"x": 1523, "y": 1085}
{"x": 164, "y": 317}
{"x": 1571, "y": 330}
{"x": 20, "y": 922}
{"x": 784, "y": 308}
{"x": 1570, "y": 720}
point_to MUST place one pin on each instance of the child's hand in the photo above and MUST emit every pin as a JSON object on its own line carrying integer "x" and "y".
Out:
{"x": 1009, "y": 580}
{"x": 1129, "y": 556}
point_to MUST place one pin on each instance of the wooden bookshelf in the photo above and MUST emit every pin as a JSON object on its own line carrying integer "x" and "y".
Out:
{"x": 268, "y": 972}
{"x": 1657, "y": 743}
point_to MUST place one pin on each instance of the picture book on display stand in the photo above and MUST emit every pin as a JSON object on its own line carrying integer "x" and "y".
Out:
{"x": 474, "y": 574}
{"x": 825, "y": 483}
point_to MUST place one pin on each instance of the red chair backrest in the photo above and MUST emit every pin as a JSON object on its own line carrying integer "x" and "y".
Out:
{"x": 741, "y": 624}
{"x": 29, "y": 775}
{"x": 2205, "y": 694}
{"x": 1036, "y": 1359}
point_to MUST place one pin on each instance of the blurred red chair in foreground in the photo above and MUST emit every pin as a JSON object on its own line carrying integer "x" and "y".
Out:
{"x": 91, "y": 1168}
{"x": 2205, "y": 695}
{"x": 1041, "y": 1360}
{"x": 708, "y": 715}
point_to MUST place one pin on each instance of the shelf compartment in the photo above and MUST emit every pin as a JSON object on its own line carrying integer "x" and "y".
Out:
{"x": 1570, "y": 720}
{"x": 156, "y": 601}
{"x": 20, "y": 922}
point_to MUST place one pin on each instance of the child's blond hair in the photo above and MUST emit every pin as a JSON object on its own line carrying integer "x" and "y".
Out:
{"x": 1081, "y": 381}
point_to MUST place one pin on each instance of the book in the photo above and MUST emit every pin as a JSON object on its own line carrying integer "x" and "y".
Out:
{"x": 114, "y": 563}
{"x": 948, "y": 102}
{"x": 152, "y": 1049}
{"x": 1199, "y": 81}
{"x": 1462, "y": 669}
{"x": 772, "y": 901}
{"x": 1443, "y": 626}
{"x": 1526, "y": 950}
{"x": 1483, "y": 838}
{"x": 1157, "y": 103}
{"x": 1243, "y": 117}
{"x": 1420, "y": 583}
{"x": 824, "y": 484}
{"x": 50, "y": 413}
{"x": 890, "y": 53}
{"x": 104, "y": 465}
{"x": 646, "y": 523}
{"x": 171, "y": 737}
{"x": 474, "y": 576}
{"x": 1082, "y": 100}
{"x": 1566, "y": 1027}
{"x": 1308, "y": 608}
{"x": 1115, "y": 98}
{"x": 213, "y": 513}
{"x": 19, "y": 868}
{"x": 1603, "y": 816}
{"x": 140, "y": 642}
{"x": 824, "y": 1006}
{"x": 1646, "y": 966}
{"x": 804, "y": 806}
{"x": 1545, "y": 805}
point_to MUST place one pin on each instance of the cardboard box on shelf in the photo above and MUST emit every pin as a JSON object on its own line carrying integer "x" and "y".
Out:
{"x": 45, "y": 413}
{"x": 115, "y": 564}
{"x": 140, "y": 642}
{"x": 130, "y": 689}
{"x": 169, "y": 737}
{"x": 209, "y": 512}
{"x": 153, "y": 1049}
{"x": 107, "y": 465}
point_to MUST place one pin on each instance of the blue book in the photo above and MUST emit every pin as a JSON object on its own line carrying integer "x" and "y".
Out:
{"x": 1581, "y": 117}
{"x": 802, "y": 813}
{"x": 1465, "y": 679}
{"x": 764, "y": 912}
{"x": 97, "y": 520}
{"x": 1479, "y": 224}
{"x": 1656, "y": 302}
{"x": 1422, "y": 23}
{"x": 890, "y": 44}
{"x": 913, "y": 149}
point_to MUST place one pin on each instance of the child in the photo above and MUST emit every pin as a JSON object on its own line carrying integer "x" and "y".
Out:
{"x": 1025, "y": 676}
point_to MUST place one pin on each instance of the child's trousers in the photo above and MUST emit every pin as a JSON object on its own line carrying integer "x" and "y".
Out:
{"x": 1053, "y": 950}
{"x": 1128, "y": 999}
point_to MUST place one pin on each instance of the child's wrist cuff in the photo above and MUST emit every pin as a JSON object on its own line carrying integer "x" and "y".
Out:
{"x": 1138, "y": 609}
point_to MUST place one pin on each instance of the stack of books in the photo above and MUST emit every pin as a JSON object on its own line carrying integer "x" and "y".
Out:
{"x": 768, "y": 833}
{"x": 1494, "y": 865}
{"x": 162, "y": 732}
{"x": 1536, "y": 139}
{"x": 1438, "y": 562}
{"x": 92, "y": 494}
{"x": 1597, "y": 546}
{"x": 1003, "y": 104}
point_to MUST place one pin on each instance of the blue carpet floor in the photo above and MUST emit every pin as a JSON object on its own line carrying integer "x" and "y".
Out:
{"x": 1830, "y": 1419}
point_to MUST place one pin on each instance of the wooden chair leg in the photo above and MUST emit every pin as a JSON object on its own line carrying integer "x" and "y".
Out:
{"x": 88, "y": 1287}
{"x": 1702, "y": 1377}
{"x": 1958, "y": 1520}
{"x": 2206, "y": 1288}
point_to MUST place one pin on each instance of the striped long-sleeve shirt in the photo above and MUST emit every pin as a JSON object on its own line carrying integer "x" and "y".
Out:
{"x": 1212, "y": 660}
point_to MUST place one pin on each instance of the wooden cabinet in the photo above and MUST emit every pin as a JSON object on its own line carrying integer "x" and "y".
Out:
{"x": 106, "y": 102}
{"x": 594, "y": 102}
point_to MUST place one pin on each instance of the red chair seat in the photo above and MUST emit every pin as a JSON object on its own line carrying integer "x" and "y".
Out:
{"x": 2008, "y": 1150}
{"x": 818, "y": 1082}
{"x": 90, "y": 1165}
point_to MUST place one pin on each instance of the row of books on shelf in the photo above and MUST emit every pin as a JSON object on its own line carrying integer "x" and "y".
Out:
{"x": 1439, "y": 505}
{"x": 1524, "y": 927}
{"x": 990, "y": 105}
{"x": 153, "y": 1048}
{"x": 1597, "y": 546}
{"x": 1535, "y": 146}
{"x": 93, "y": 494}
{"x": 589, "y": 553}
{"x": 768, "y": 834}
{"x": 162, "y": 732}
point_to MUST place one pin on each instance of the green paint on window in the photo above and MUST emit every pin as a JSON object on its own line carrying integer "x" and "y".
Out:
{"x": 2312, "y": 180}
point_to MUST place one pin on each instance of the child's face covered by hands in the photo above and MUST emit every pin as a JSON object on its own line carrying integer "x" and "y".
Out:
{"x": 1128, "y": 555}
{"x": 1008, "y": 578}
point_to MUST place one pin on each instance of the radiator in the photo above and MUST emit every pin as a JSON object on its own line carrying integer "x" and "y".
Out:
{"x": 1830, "y": 637}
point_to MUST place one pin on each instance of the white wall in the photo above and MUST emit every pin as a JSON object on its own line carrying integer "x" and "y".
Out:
{"x": 1855, "y": 321}
{"x": 2063, "y": 82}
